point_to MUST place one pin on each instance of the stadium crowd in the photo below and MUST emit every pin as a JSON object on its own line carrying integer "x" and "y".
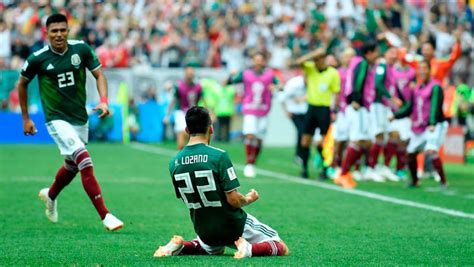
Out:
{"x": 229, "y": 34}
{"x": 167, "y": 33}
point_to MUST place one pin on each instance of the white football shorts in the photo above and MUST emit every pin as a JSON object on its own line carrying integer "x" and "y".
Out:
{"x": 341, "y": 127}
{"x": 428, "y": 140}
{"x": 359, "y": 124}
{"x": 403, "y": 127}
{"x": 255, "y": 125}
{"x": 68, "y": 137}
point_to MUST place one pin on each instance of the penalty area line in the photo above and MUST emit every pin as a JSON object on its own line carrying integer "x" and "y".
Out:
{"x": 295, "y": 179}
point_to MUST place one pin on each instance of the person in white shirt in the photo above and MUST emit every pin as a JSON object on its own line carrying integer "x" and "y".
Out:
{"x": 293, "y": 99}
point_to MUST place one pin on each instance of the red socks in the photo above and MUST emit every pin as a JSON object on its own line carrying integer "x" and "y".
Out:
{"x": 64, "y": 176}
{"x": 353, "y": 154}
{"x": 192, "y": 248}
{"x": 252, "y": 149}
{"x": 269, "y": 248}
{"x": 92, "y": 188}
{"x": 401, "y": 157}
{"x": 438, "y": 166}
{"x": 374, "y": 154}
{"x": 389, "y": 151}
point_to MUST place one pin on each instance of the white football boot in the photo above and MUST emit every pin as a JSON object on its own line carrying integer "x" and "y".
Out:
{"x": 173, "y": 247}
{"x": 371, "y": 174}
{"x": 387, "y": 173}
{"x": 244, "y": 249}
{"x": 249, "y": 171}
{"x": 51, "y": 205}
{"x": 112, "y": 223}
{"x": 357, "y": 175}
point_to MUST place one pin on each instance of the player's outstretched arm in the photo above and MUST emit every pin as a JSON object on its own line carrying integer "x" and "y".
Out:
{"x": 237, "y": 200}
{"x": 103, "y": 106}
{"x": 28, "y": 125}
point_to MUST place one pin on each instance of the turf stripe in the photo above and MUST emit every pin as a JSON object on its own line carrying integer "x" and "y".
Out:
{"x": 295, "y": 179}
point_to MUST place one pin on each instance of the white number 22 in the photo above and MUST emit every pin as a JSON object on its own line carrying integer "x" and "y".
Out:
{"x": 202, "y": 189}
{"x": 66, "y": 79}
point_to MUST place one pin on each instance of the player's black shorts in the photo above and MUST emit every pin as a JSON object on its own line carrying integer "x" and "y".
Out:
{"x": 317, "y": 117}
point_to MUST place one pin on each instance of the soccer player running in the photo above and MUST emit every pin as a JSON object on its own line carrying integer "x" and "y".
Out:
{"x": 322, "y": 83}
{"x": 61, "y": 69}
{"x": 259, "y": 82}
{"x": 187, "y": 93}
{"x": 205, "y": 180}
{"x": 429, "y": 125}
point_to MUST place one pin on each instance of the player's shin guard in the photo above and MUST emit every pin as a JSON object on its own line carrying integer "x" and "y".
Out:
{"x": 269, "y": 248}
{"x": 374, "y": 153}
{"x": 412, "y": 167}
{"x": 353, "y": 154}
{"x": 438, "y": 166}
{"x": 64, "y": 176}
{"x": 389, "y": 151}
{"x": 192, "y": 248}
{"x": 89, "y": 182}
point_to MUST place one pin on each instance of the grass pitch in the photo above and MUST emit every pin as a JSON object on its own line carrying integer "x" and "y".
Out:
{"x": 320, "y": 226}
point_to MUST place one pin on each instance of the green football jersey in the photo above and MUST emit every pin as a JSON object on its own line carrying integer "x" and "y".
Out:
{"x": 62, "y": 80}
{"x": 201, "y": 177}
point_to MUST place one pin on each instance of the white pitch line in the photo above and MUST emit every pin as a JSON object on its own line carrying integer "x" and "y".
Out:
{"x": 295, "y": 179}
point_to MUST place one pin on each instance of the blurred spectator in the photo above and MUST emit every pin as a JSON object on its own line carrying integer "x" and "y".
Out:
{"x": 220, "y": 100}
{"x": 211, "y": 33}
{"x": 5, "y": 44}
{"x": 132, "y": 119}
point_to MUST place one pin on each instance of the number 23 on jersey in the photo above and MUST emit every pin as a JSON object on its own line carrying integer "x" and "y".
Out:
{"x": 66, "y": 79}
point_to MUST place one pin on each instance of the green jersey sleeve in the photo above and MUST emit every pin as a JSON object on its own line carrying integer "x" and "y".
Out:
{"x": 239, "y": 78}
{"x": 90, "y": 58}
{"x": 380, "y": 76}
{"x": 227, "y": 174}
{"x": 275, "y": 80}
{"x": 29, "y": 69}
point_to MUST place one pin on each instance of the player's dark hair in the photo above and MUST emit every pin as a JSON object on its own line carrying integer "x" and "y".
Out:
{"x": 369, "y": 46}
{"x": 56, "y": 18}
{"x": 431, "y": 41}
{"x": 198, "y": 120}
{"x": 259, "y": 53}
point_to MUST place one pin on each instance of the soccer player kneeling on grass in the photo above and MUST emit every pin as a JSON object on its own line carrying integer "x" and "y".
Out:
{"x": 205, "y": 180}
{"x": 61, "y": 69}
{"x": 429, "y": 125}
